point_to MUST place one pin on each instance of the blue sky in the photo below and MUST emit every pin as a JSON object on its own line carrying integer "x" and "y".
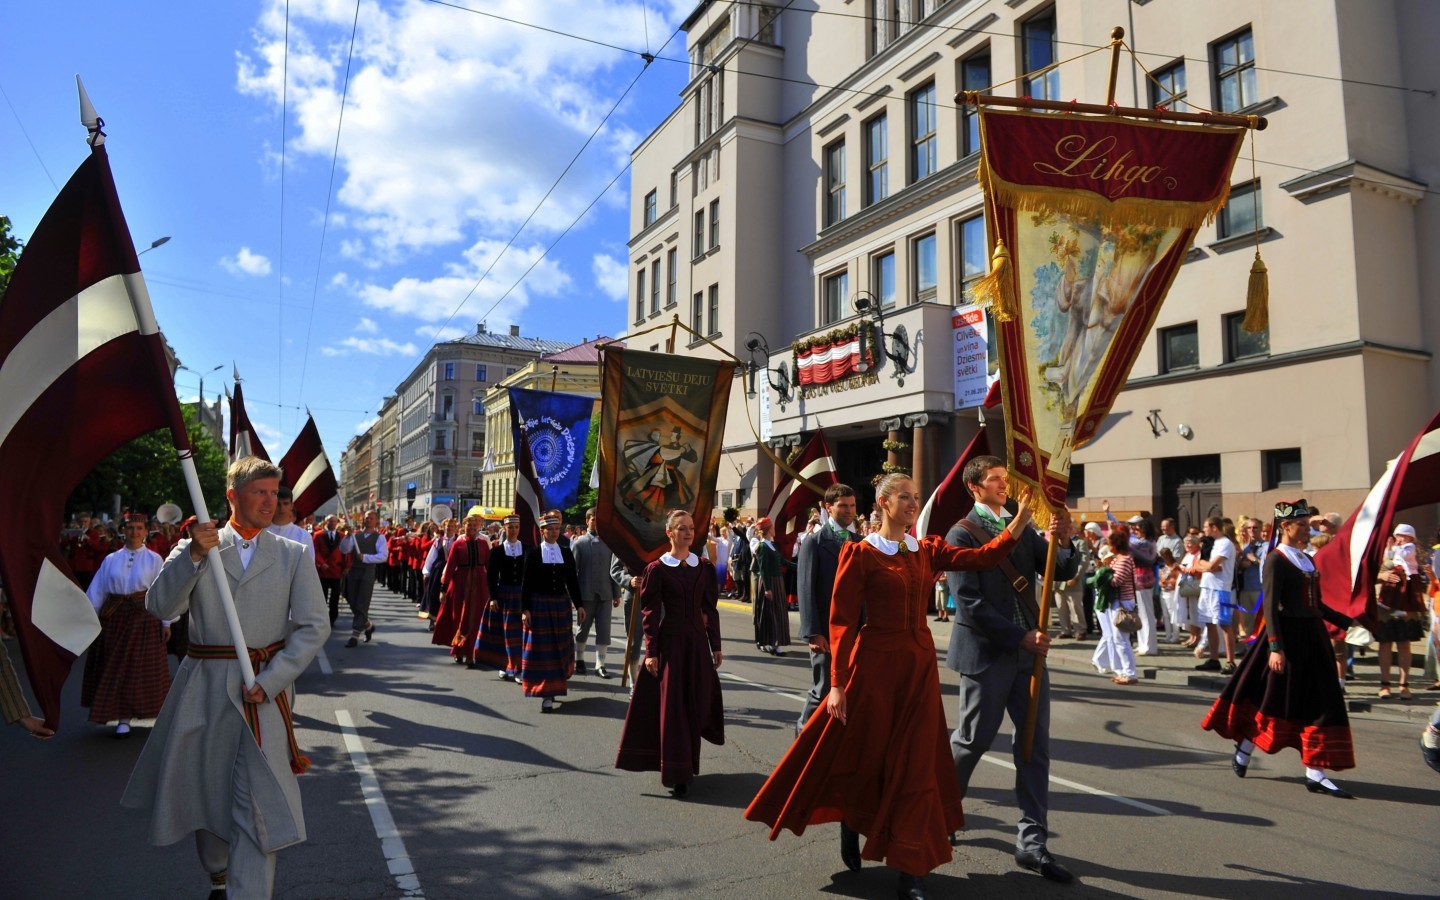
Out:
{"x": 455, "y": 126}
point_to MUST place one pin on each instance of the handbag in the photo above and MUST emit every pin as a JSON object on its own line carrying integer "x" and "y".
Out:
{"x": 1126, "y": 621}
{"x": 1189, "y": 588}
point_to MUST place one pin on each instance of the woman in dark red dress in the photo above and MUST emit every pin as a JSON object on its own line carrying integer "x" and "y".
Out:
{"x": 467, "y": 593}
{"x": 880, "y": 762}
{"x": 1285, "y": 693}
{"x": 677, "y": 697}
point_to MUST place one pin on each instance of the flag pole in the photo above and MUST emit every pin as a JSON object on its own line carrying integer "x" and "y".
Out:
{"x": 145, "y": 317}
{"x": 1037, "y": 671}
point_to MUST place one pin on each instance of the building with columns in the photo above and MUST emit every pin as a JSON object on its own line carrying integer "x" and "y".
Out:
{"x": 816, "y": 184}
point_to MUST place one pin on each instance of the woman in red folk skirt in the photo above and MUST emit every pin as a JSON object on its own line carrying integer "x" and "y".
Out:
{"x": 677, "y": 697}
{"x": 1286, "y": 693}
{"x": 879, "y": 763}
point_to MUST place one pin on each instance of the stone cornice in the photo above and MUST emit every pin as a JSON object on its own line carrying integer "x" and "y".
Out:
{"x": 1353, "y": 174}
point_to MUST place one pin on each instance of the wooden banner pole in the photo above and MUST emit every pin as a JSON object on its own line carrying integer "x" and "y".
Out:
{"x": 1037, "y": 671}
{"x": 1116, "y": 43}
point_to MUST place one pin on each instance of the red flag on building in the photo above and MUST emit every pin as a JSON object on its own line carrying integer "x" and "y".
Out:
{"x": 243, "y": 439}
{"x": 1350, "y": 563}
{"x": 83, "y": 370}
{"x": 792, "y": 500}
{"x": 307, "y": 471}
{"x": 951, "y": 501}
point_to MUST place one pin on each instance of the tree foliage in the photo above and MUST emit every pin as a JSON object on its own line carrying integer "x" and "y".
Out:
{"x": 145, "y": 473}
{"x": 588, "y": 495}
{"x": 10, "y": 247}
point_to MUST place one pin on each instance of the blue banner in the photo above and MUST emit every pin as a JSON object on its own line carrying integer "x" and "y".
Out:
{"x": 549, "y": 432}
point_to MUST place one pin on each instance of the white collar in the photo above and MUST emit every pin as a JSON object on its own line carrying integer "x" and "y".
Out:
{"x": 1296, "y": 556}
{"x": 890, "y": 548}
{"x": 672, "y": 562}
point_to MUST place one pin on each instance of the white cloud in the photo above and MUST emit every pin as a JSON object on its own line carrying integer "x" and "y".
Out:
{"x": 367, "y": 326}
{"x": 456, "y": 124}
{"x": 364, "y": 425}
{"x": 611, "y": 276}
{"x": 246, "y": 263}
{"x": 437, "y": 333}
{"x": 373, "y": 346}
{"x": 270, "y": 436}
{"x": 339, "y": 279}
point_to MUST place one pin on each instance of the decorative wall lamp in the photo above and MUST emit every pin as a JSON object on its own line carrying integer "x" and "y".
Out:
{"x": 780, "y": 378}
{"x": 897, "y": 348}
{"x": 1157, "y": 424}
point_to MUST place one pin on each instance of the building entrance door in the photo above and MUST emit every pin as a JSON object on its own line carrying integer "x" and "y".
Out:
{"x": 1190, "y": 489}
{"x": 857, "y": 462}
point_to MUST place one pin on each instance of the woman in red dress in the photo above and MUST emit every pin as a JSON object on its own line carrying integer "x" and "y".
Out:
{"x": 467, "y": 592}
{"x": 677, "y": 697}
{"x": 888, "y": 774}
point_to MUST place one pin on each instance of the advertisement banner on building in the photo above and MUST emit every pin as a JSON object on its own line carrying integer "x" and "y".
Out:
{"x": 973, "y": 365}
{"x": 1089, "y": 220}
{"x": 766, "y": 427}
{"x": 662, "y": 426}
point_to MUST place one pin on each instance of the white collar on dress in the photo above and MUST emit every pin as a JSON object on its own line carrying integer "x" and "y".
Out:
{"x": 672, "y": 562}
{"x": 1296, "y": 556}
{"x": 890, "y": 548}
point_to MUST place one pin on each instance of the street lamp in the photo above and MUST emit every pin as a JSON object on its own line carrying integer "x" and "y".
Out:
{"x": 187, "y": 368}
{"x": 155, "y": 243}
{"x": 760, "y": 359}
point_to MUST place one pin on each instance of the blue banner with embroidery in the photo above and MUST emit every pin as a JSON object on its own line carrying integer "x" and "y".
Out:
{"x": 549, "y": 431}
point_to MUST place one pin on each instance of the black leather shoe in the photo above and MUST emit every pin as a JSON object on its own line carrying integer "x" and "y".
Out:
{"x": 911, "y": 887}
{"x": 1041, "y": 861}
{"x": 601, "y": 672}
{"x": 680, "y": 791}
{"x": 352, "y": 643}
{"x": 579, "y": 667}
{"x": 369, "y": 632}
{"x": 849, "y": 848}
{"x": 1237, "y": 766}
{"x": 216, "y": 894}
{"x": 1316, "y": 787}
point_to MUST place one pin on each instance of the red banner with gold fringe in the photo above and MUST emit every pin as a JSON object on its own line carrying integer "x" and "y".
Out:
{"x": 1089, "y": 220}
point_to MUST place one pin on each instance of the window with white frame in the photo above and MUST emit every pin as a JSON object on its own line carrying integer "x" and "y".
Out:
{"x": 924, "y": 160}
{"x": 835, "y": 182}
{"x": 970, "y": 253}
{"x": 877, "y": 159}
{"x": 835, "y": 290}
{"x": 883, "y": 279}
{"x": 923, "y": 266}
{"x": 1039, "y": 46}
{"x": 1235, "y": 76}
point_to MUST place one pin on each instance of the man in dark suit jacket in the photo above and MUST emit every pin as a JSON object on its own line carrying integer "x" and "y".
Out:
{"x": 819, "y": 559}
{"x": 997, "y": 631}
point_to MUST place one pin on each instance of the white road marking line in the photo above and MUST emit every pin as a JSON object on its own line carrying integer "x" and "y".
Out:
{"x": 391, "y": 844}
{"x": 324, "y": 663}
{"x": 988, "y": 757}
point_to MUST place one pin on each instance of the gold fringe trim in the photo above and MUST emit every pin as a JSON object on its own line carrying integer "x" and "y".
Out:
{"x": 996, "y": 290}
{"x": 1257, "y": 298}
{"x": 1040, "y": 511}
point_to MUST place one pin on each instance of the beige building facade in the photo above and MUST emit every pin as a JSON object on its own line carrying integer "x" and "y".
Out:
{"x": 818, "y": 171}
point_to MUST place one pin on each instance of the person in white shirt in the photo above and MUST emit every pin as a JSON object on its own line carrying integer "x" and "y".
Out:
{"x": 284, "y": 522}
{"x": 126, "y": 675}
{"x": 1216, "y": 606}
{"x": 370, "y": 550}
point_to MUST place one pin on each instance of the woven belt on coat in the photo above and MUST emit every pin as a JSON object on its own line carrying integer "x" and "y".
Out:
{"x": 258, "y": 657}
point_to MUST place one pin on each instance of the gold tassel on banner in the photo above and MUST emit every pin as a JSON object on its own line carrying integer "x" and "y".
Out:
{"x": 1040, "y": 511}
{"x": 1257, "y": 298}
{"x": 994, "y": 290}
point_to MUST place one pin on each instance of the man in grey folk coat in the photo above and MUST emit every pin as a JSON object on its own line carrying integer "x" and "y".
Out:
{"x": 599, "y": 594}
{"x": 204, "y": 771}
{"x": 992, "y": 645}
{"x": 815, "y": 582}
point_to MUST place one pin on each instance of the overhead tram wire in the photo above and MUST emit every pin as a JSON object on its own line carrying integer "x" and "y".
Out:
{"x": 329, "y": 193}
{"x": 648, "y": 58}
{"x": 14, "y": 112}
{"x": 280, "y": 250}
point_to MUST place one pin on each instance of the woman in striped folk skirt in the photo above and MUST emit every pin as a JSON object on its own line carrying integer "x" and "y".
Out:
{"x": 501, "y": 641}
{"x": 549, "y": 589}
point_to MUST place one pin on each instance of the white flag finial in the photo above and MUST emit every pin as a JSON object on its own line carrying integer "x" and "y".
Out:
{"x": 236, "y": 370}
{"x": 88, "y": 117}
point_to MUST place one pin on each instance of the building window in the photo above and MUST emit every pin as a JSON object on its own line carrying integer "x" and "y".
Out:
{"x": 449, "y": 371}
{"x": 699, "y": 235}
{"x": 1241, "y": 344}
{"x": 447, "y": 406}
{"x": 477, "y": 442}
{"x": 440, "y": 434}
{"x": 655, "y": 287}
{"x": 1038, "y": 50}
{"x": 639, "y": 295}
{"x": 970, "y": 252}
{"x": 672, "y": 263}
{"x": 444, "y": 478}
{"x": 649, "y": 209}
{"x": 1168, "y": 88}
{"x": 836, "y": 290}
{"x": 1242, "y": 212}
{"x": 877, "y": 159}
{"x": 714, "y": 224}
{"x": 697, "y": 313}
{"x": 834, "y": 182}
{"x": 1282, "y": 468}
{"x": 924, "y": 250}
{"x": 1234, "y": 57}
{"x": 923, "y": 159}
{"x": 674, "y": 189}
{"x": 884, "y": 23}
{"x": 1179, "y": 348}
{"x": 477, "y": 405}
{"x": 974, "y": 76}
{"x": 480, "y": 372}
{"x": 714, "y": 309}
{"x": 884, "y": 279}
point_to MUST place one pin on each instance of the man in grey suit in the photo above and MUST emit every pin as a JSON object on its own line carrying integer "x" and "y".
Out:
{"x": 203, "y": 771}
{"x": 629, "y": 586}
{"x": 599, "y": 594}
{"x": 993, "y": 645}
{"x": 815, "y": 581}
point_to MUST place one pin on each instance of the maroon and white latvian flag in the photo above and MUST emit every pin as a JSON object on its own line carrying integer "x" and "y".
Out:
{"x": 243, "y": 439}
{"x": 307, "y": 471}
{"x": 83, "y": 370}
{"x": 1350, "y": 564}
{"x": 792, "y": 501}
{"x": 951, "y": 501}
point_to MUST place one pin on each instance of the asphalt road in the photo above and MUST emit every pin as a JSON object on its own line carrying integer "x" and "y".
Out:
{"x": 430, "y": 780}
